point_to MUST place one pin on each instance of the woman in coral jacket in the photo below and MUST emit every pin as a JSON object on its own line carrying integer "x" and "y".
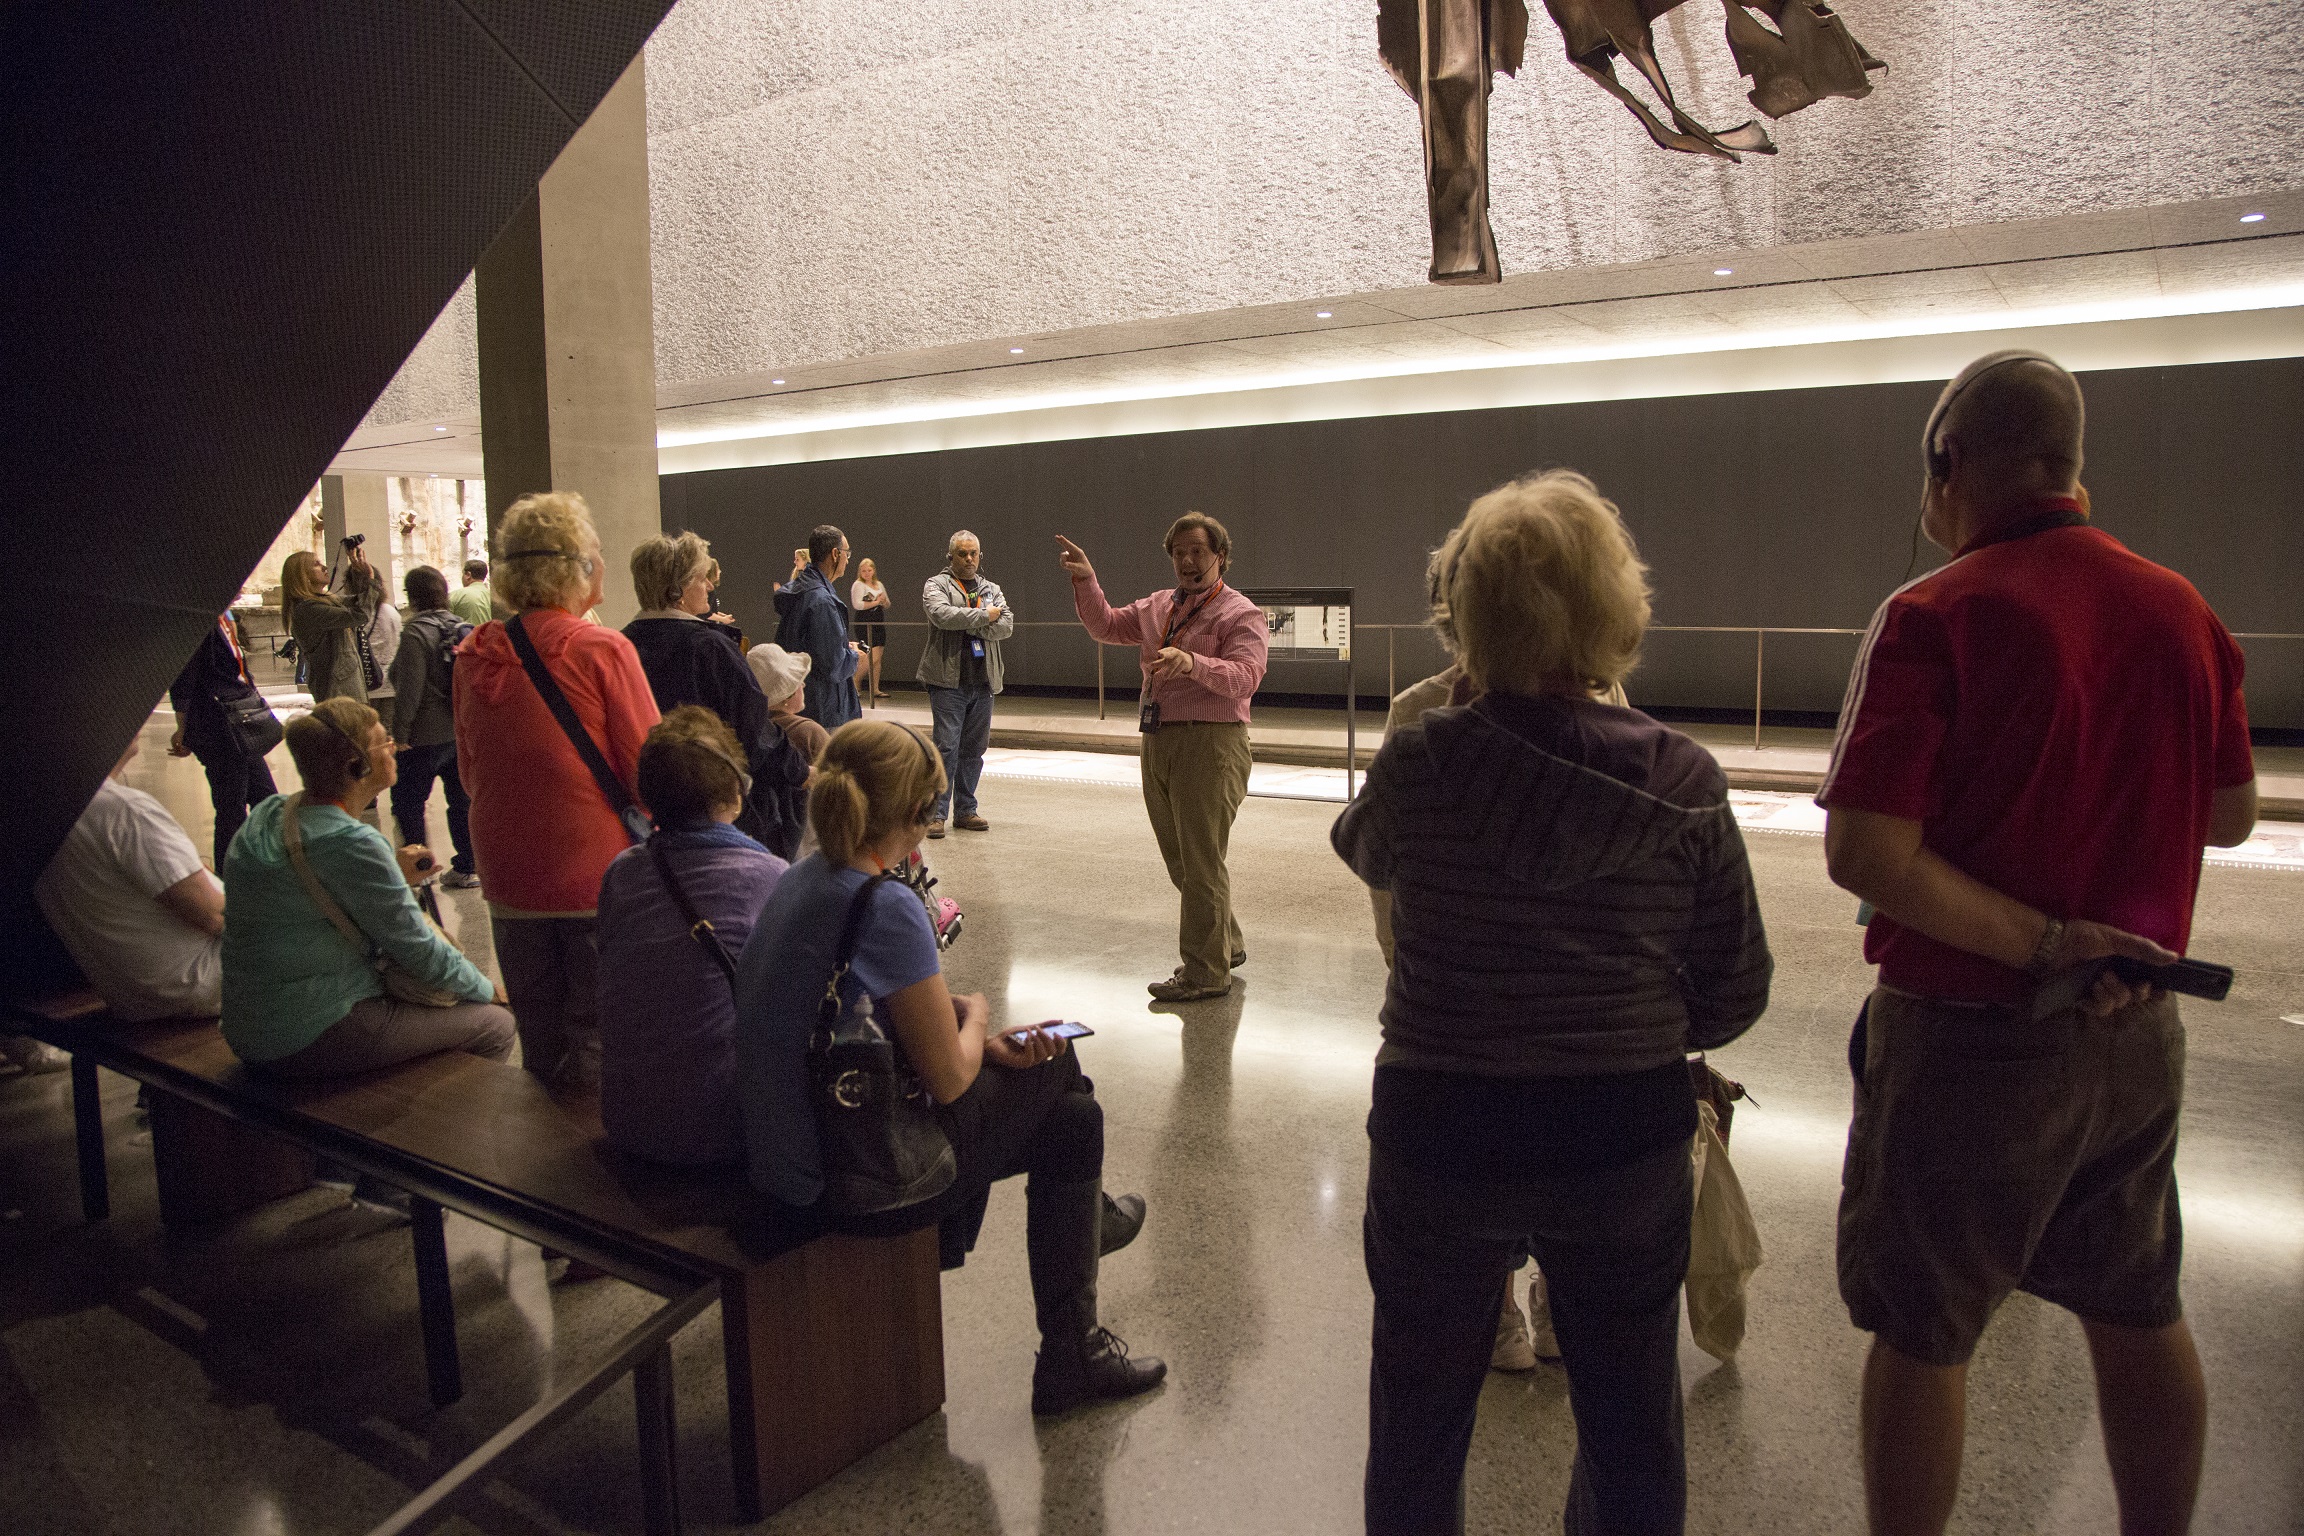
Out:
{"x": 543, "y": 832}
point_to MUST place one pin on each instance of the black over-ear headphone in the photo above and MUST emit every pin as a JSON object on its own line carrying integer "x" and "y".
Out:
{"x": 358, "y": 767}
{"x": 1932, "y": 451}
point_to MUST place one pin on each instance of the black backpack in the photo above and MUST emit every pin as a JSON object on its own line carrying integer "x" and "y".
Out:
{"x": 446, "y": 636}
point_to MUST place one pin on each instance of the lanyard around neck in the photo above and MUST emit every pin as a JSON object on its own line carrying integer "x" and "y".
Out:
{"x": 1177, "y": 626}
{"x": 2053, "y": 512}
{"x": 239, "y": 659}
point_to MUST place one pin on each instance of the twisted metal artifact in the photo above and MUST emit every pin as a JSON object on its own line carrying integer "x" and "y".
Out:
{"x": 1446, "y": 54}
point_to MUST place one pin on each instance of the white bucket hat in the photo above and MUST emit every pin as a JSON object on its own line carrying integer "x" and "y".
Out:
{"x": 780, "y": 672}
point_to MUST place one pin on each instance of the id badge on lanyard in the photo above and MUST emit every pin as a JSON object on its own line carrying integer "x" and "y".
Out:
{"x": 1148, "y": 717}
{"x": 975, "y": 642}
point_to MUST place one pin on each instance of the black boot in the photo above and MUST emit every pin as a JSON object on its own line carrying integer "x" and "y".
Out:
{"x": 1080, "y": 1362}
{"x": 1123, "y": 1219}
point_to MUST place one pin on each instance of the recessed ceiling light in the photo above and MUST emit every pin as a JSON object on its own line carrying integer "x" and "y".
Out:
{"x": 1016, "y": 351}
{"x": 2251, "y": 218}
{"x": 1323, "y": 314}
{"x": 775, "y": 381}
{"x": 439, "y": 429}
{"x": 1723, "y": 271}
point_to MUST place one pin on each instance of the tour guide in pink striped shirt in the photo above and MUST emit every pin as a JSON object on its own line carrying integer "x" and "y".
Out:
{"x": 1203, "y": 650}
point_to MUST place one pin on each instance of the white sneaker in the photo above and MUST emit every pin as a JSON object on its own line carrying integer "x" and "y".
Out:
{"x": 1542, "y": 1341}
{"x": 1512, "y": 1351}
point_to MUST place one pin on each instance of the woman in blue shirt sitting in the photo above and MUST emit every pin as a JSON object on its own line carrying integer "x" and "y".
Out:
{"x": 1010, "y": 1104}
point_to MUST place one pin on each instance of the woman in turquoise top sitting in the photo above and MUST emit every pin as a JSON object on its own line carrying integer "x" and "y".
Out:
{"x": 302, "y": 998}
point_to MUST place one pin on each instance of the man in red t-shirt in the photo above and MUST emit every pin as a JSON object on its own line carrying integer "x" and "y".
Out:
{"x": 2038, "y": 740}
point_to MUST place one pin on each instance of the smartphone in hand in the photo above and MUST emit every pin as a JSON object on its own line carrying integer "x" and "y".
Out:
{"x": 1058, "y": 1028}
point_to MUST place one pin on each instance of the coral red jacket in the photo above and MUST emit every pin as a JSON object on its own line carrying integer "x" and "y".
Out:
{"x": 542, "y": 833}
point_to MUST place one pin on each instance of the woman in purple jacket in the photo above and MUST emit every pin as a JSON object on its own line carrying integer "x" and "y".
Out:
{"x": 667, "y": 1016}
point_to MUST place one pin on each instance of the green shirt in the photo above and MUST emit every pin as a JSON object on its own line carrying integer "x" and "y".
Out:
{"x": 472, "y": 604}
{"x": 288, "y": 972}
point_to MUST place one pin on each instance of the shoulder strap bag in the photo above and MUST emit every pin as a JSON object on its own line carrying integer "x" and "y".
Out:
{"x": 619, "y": 798}
{"x": 877, "y": 1132}
{"x": 699, "y": 928}
{"x": 402, "y": 984}
{"x": 250, "y": 719}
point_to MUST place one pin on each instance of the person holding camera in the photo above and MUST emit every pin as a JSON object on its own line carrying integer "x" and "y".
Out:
{"x": 2039, "y": 739}
{"x": 331, "y": 631}
{"x": 238, "y": 777}
{"x": 1203, "y": 648}
{"x": 1009, "y": 1104}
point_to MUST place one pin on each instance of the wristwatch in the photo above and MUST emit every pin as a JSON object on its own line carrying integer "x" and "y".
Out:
{"x": 2043, "y": 959}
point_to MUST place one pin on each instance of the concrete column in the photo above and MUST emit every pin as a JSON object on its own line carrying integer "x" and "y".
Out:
{"x": 352, "y": 504}
{"x": 568, "y": 339}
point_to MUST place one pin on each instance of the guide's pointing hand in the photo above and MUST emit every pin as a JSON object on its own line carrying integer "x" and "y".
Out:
{"x": 1074, "y": 560}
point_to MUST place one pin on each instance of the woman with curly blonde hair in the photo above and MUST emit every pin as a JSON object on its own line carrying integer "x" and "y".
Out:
{"x": 1009, "y": 1103}
{"x": 543, "y": 832}
{"x": 1572, "y": 912}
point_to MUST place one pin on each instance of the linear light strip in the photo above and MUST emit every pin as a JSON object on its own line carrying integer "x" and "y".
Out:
{"x": 2226, "y": 326}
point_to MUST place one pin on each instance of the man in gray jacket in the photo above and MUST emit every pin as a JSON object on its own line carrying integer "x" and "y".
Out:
{"x": 968, "y": 617}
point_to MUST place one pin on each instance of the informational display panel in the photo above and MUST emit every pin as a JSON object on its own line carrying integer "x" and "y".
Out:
{"x": 1314, "y": 624}
{"x": 1307, "y": 624}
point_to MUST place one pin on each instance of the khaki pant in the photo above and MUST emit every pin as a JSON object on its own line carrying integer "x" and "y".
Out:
{"x": 1195, "y": 776}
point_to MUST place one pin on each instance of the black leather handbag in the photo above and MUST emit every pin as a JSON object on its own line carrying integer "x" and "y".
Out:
{"x": 877, "y": 1134}
{"x": 252, "y": 722}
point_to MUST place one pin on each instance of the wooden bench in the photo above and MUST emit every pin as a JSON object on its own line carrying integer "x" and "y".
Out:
{"x": 834, "y": 1344}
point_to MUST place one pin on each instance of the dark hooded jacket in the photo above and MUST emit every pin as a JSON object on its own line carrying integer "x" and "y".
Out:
{"x": 691, "y": 661}
{"x": 1570, "y": 895}
{"x": 812, "y": 621}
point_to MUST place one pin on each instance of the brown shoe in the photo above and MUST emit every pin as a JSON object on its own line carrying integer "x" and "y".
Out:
{"x": 935, "y": 829}
{"x": 971, "y": 823}
{"x": 1177, "y": 990}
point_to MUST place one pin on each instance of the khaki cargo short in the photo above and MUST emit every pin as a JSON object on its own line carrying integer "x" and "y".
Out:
{"x": 1991, "y": 1154}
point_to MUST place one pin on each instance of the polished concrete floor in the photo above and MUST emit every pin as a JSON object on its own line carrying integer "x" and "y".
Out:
{"x": 268, "y": 1377}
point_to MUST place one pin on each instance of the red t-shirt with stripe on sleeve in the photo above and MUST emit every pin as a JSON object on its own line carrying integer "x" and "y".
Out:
{"x": 2057, "y": 713}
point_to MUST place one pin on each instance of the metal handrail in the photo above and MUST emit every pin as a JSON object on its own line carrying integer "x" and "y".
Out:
{"x": 1758, "y": 632}
{"x": 642, "y": 1354}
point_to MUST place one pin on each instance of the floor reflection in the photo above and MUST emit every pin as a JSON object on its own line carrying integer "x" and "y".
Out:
{"x": 1242, "y": 1121}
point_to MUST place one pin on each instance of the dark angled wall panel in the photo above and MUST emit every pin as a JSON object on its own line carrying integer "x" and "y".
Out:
{"x": 223, "y": 229}
{"x": 1790, "y": 508}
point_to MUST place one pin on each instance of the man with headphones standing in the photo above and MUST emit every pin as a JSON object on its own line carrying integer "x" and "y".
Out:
{"x": 1204, "y": 650}
{"x": 2039, "y": 738}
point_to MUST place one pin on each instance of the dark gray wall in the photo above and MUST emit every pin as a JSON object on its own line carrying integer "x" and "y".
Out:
{"x": 1790, "y": 508}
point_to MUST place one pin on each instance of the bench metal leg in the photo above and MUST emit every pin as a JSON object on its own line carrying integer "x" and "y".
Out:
{"x": 88, "y": 1132}
{"x": 659, "y": 1470}
{"x": 436, "y": 1301}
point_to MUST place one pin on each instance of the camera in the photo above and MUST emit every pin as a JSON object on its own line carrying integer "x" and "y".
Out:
{"x": 354, "y": 540}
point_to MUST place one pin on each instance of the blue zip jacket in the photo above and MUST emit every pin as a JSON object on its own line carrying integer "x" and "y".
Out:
{"x": 812, "y": 621}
